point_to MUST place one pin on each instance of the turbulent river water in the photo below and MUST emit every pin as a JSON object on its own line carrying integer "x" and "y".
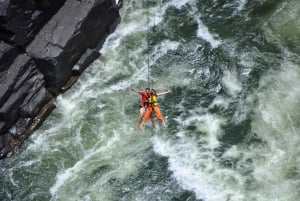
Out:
{"x": 233, "y": 115}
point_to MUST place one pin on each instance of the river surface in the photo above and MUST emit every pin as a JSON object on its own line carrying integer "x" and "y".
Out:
{"x": 233, "y": 115}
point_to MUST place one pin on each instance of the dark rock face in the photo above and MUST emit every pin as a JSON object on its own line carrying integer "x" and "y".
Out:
{"x": 44, "y": 46}
{"x": 7, "y": 55}
{"x": 69, "y": 33}
{"x": 22, "y": 95}
{"x": 86, "y": 58}
{"x": 22, "y": 19}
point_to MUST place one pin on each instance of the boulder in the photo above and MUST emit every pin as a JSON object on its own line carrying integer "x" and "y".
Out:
{"x": 19, "y": 128}
{"x": 85, "y": 60}
{"x": 10, "y": 76}
{"x": 40, "y": 57}
{"x": 77, "y": 26}
{"x": 34, "y": 102}
{"x": 22, "y": 129}
{"x": 23, "y": 93}
{"x": 7, "y": 143}
{"x": 9, "y": 112}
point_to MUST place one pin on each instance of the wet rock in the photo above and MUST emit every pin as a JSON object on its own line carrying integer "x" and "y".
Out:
{"x": 9, "y": 111}
{"x": 34, "y": 102}
{"x": 19, "y": 128}
{"x": 69, "y": 83}
{"x": 22, "y": 19}
{"x": 23, "y": 93}
{"x": 10, "y": 76}
{"x": 7, "y": 144}
{"x": 22, "y": 129}
{"x": 41, "y": 57}
{"x": 85, "y": 60}
{"x": 7, "y": 55}
{"x": 62, "y": 41}
{"x": 40, "y": 117}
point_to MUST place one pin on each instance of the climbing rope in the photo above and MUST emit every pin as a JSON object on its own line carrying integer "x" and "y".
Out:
{"x": 150, "y": 80}
{"x": 148, "y": 49}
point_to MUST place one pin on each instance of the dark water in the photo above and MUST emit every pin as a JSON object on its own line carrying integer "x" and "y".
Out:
{"x": 233, "y": 116}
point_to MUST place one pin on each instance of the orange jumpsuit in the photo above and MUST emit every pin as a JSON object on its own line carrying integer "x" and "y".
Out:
{"x": 153, "y": 105}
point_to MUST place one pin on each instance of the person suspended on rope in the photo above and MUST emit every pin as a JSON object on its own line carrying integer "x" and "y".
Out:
{"x": 153, "y": 105}
{"x": 143, "y": 105}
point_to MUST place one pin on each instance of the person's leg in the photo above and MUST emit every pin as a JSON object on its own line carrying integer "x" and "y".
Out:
{"x": 159, "y": 115}
{"x": 153, "y": 122}
{"x": 141, "y": 115}
{"x": 146, "y": 117}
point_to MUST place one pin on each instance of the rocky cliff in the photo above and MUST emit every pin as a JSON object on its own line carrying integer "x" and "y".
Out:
{"x": 44, "y": 46}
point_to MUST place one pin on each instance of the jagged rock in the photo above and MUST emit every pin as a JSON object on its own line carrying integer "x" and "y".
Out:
{"x": 22, "y": 129}
{"x": 35, "y": 102}
{"x": 23, "y": 93}
{"x": 9, "y": 112}
{"x": 53, "y": 61}
{"x": 9, "y": 77}
{"x": 7, "y": 55}
{"x": 22, "y": 19}
{"x": 85, "y": 60}
{"x": 69, "y": 83}
{"x": 40, "y": 117}
{"x": 7, "y": 144}
{"x": 19, "y": 128}
{"x": 62, "y": 41}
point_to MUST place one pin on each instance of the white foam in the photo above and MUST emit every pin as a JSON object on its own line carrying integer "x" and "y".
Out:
{"x": 11, "y": 179}
{"x": 67, "y": 175}
{"x": 165, "y": 46}
{"x": 231, "y": 83}
{"x": 241, "y": 4}
{"x": 197, "y": 170}
{"x": 219, "y": 101}
{"x": 203, "y": 32}
{"x": 191, "y": 158}
{"x": 114, "y": 39}
{"x": 275, "y": 122}
{"x": 247, "y": 61}
{"x": 26, "y": 164}
{"x": 179, "y": 3}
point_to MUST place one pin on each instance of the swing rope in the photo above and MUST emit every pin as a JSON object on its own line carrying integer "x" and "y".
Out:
{"x": 150, "y": 81}
{"x": 148, "y": 48}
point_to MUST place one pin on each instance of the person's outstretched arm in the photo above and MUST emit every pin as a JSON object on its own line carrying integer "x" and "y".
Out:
{"x": 135, "y": 90}
{"x": 164, "y": 92}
